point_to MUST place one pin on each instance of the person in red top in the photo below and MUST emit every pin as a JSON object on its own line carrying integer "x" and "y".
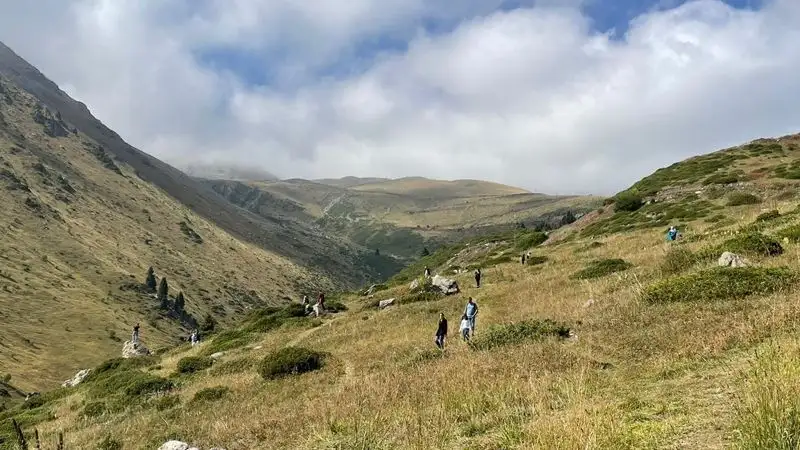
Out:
{"x": 321, "y": 300}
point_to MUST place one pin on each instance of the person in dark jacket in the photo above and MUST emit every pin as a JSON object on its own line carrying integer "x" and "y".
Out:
{"x": 478, "y": 277}
{"x": 441, "y": 332}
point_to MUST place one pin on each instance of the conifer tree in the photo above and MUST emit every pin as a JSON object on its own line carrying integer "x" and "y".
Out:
{"x": 163, "y": 293}
{"x": 208, "y": 324}
{"x": 425, "y": 252}
{"x": 150, "y": 281}
{"x": 180, "y": 302}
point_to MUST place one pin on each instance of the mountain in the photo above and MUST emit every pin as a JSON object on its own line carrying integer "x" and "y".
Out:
{"x": 218, "y": 171}
{"x": 609, "y": 337}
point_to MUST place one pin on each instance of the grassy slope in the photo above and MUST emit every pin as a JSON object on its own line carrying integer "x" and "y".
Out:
{"x": 65, "y": 260}
{"x": 695, "y": 374}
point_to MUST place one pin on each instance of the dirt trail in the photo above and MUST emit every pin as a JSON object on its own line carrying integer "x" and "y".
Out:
{"x": 349, "y": 370}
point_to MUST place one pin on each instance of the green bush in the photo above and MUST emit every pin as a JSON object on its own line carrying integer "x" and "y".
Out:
{"x": 602, "y": 267}
{"x": 94, "y": 409}
{"x": 211, "y": 394}
{"x": 536, "y": 260}
{"x": 767, "y": 216}
{"x": 228, "y": 340}
{"x": 148, "y": 384}
{"x": 166, "y": 402}
{"x": 627, "y": 201}
{"x": 678, "y": 259}
{"x": 792, "y": 233}
{"x": 751, "y": 244}
{"x": 290, "y": 361}
{"x": 334, "y": 306}
{"x": 742, "y": 198}
{"x": 720, "y": 283}
{"x": 518, "y": 333}
{"x": 192, "y": 364}
{"x": 530, "y": 239}
{"x": 109, "y": 443}
{"x": 721, "y": 178}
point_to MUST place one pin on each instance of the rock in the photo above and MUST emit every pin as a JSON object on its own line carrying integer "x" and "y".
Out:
{"x": 729, "y": 259}
{"x": 370, "y": 290}
{"x": 446, "y": 285}
{"x": 588, "y": 303}
{"x": 384, "y": 303}
{"x": 77, "y": 379}
{"x": 134, "y": 350}
{"x": 216, "y": 355}
{"x": 414, "y": 285}
{"x": 176, "y": 445}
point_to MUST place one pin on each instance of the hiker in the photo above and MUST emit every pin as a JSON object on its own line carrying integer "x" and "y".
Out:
{"x": 193, "y": 338}
{"x": 306, "y": 304}
{"x": 470, "y": 312}
{"x": 523, "y": 258}
{"x": 135, "y": 337}
{"x": 321, "y": 300}
{"x": 672, "y": 234}
{"x": 427, "y": 272}
{"x": 464, "y": 328}
{"x": 441, "y": 332}
{"x": 478, "y": 277}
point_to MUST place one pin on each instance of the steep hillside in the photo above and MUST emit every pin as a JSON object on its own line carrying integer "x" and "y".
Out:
{"x": 80, "y": 230}
{"x": 624, "y": 341}
{"x": 345, "y": 263}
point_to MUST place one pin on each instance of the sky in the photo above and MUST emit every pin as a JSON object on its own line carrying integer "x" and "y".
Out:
{"x": 555, "y": 96}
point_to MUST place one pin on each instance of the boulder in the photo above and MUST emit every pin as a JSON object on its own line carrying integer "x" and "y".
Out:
{"x": 176, "y": 445}
{"x": 77, "y": 379}
{"x": 729, "y": 259}
{"x": 216, "y": 355}
{"x": 414, "y": 285}
{"x": 134, "y": 350}
{"x": 384, "y": 303}
{"x": 446, "y": 285}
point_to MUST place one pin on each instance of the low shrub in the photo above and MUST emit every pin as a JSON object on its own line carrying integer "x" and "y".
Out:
{"x": 720, "y": 283}
{"x": 267, "y": 319}
{"x": 166, "y": 402}
{"x": 536, "y": 260}
{"x": 192, "y": 364}
{"x": 721, "y": 178}
{"x": 94, "y": 409}
{"x": 211, "y": 394}
{"x": 109, "y": 443}
{"x": 751, "y": 244}
{"x": 590, "y": 246}
{"x": 290, "y": 361}
{"x": 422, "y": 296}
{"x": 147, "y": 385}
{"x": 677, "y": 260}
{"x": 717, "y": 218}
{"x": 527, "y": 240}
{"x": 334, "y": 306}
{"x": 742, "y": 198}
{"x": 228, "y": 340}
{"x": 767, "y": 216}
{"x": 792, "y": 233}
{"x": 602, "y": 267}
{"x": 518, "y": 333}
{"x": 627, "y": 202}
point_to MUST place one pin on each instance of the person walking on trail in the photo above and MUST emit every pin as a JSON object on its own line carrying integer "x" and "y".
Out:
{"x": 523, "y": 258}
{"x": 672, "y": 234}
{"x": 135, "y": 337}
{"x": 193, "y": 338}
{"x": 306, "y": 304}
{"x": 464, "y": 328}
{"x": 478, "y": 277}
{"x": 441, "y": 332}
{"x": 427, "y": 272}
{"x": 470, "y": 312}
{"x": 319, "y": 307}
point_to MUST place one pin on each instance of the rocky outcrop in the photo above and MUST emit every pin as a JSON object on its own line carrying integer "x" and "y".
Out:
{"x": 134, "y": 350}
{"x": 414, "y": 285}
{"x": 729, "y": 259}
{"x": 384, "y": 303}
{"x": 446, "y": 285}
{"x": 178, "y": 445}
{"x": 77, "y": 379}
{"x": 54, "y": 125}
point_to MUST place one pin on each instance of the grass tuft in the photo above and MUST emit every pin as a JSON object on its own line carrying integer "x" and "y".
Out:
{"x": 742, "y": 198}
{"x": 518, "y": 333}
{"x": 678, "y": 259}
{"x": 602, "y": 267}
{"x": 192, "y": 364}
{"x": 211, "y": 394}
{"x": 290, "y": 361}
{"x": 720, "y": 283}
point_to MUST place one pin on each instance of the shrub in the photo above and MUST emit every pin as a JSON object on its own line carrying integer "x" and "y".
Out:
{"x": 94, "y": 409}
{"x": 767, "y": 216}
{"x": 792, "y": 233}
{"x": 333, "y": 306}
{"x": 627, "y": 201}
{"x": 148, "y": 384}
{"x": 720, "y": 283}
{"x": 109, "y": 443}
{"x": 211, "y": 394}
{"x": 290, "y": 361}
{"x": 721, "y": 178}
{"x": 742, "y": 198}
{"x": 527, "y": 240}
{"x": 752, "y": 244}
{"x": 268, "y": 319}
{"x": 717, "y": 218}
{"x": 677, "y": 260}
{"x": 167, "y": 402}
{"x": 192, "y": 364}
{"x": 602, "y": 267}
{"x": 518, "y": 333}
{"x": 228, "y": 340}
{"x": 536, "y": 260}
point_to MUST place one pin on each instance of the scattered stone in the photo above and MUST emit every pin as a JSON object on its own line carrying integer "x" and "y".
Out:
{"x": 176, "y": 445}
{"x": 134, "y": 350}
{"x": 446, "y": 285}
{"x": 216, "y": 355}
{"x": 588, "y": 303}
{"x": 258, "y": 347}
{"x": 729, "y": 259}
{"x": 414, "y": 285}
{"x": 77, "y": 379}
{"x": 384, "y": 303}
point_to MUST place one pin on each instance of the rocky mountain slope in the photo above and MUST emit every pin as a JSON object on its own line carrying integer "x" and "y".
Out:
{"x": 608, "y": 337}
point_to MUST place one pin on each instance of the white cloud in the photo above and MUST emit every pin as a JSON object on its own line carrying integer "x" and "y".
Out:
{"x": 531, "y": 97}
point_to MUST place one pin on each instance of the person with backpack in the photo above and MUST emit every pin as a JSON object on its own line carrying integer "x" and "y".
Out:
{"x": 477, "y": 277}
{"x": 135, "y": 337}
{"x": 471, "y": 312}
{"x": 427, "y": 272}
{"x": 441, "y": 331}
{"x": 672, "y": 234}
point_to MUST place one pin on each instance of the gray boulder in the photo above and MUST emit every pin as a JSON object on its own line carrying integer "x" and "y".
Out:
{"x": 414, "y": 285}
{"x": 446, "y": 285}
{"x": 134, "y": 350}
{"x": 77, "y": 379}
{"x": 729, "y": 259}
{"x": 384, "y": 303}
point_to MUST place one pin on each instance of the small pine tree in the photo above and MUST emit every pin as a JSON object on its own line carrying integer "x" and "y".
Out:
{"x": 377, "y": 252}
{"x": 150, "y": 281}
{"x": 180, "y": 302}
{"x": 425, "y": 252}
{"x": 208, "y": 324}
{"x": 163, "y": 293}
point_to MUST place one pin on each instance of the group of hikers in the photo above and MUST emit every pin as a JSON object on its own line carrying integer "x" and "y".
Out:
{"x": 318, "y": 308}
{"x": 194, "y": 338}
{"x": 477, "y": 275}
{"x": 466, "y": 328}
